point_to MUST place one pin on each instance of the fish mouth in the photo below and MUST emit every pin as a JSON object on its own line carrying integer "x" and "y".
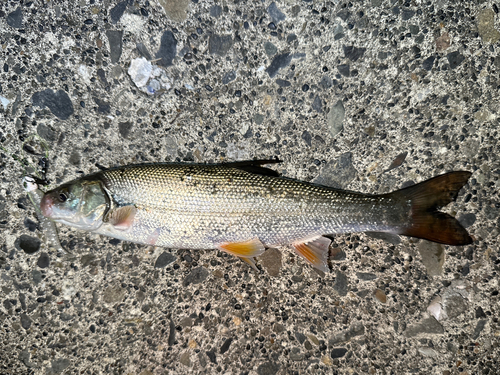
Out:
{"x": 46, "y": 205}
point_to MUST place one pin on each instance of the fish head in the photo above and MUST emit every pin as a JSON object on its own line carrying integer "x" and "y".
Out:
{"x": 80, "y": 204}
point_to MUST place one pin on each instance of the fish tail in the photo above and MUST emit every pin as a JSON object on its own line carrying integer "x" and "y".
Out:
{"x": 426, "y": 198}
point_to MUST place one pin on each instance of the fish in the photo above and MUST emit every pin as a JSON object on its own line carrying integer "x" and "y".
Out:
{"x": 243, "y": 208}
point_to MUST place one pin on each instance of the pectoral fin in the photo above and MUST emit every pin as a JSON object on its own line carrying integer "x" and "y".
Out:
{"x": 246, "y": 249}
{"x": 315, "y": 251}
{"x": 122, "y": 218}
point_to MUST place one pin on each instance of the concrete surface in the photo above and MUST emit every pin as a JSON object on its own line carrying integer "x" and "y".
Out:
{"x": 365, "y": 95}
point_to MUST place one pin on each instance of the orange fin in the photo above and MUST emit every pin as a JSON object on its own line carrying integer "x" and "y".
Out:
{"x": 426, "y": 197}
{"x": 122, "y": 218}
{"x": 315, "y": 251}
{"x": 251, "y": 262}
{"x": 246, "y": 249}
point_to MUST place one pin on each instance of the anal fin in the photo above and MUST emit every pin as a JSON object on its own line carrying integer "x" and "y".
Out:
{"x": 315, "y": 251}
{"x": 245, "y": 249}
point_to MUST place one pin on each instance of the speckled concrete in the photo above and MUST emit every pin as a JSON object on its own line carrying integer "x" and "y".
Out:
{"x": 365, "y": 95}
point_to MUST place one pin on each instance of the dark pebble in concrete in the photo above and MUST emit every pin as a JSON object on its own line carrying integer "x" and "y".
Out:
{"x": 306, "y": 136}
{"x": 171, "y": 335}
{"x": 46, "y": 133}
{"x": 30, "y": 224}
{"x": 428, "y": 325}
{"x": 37, "y": 276}
{"x": 117, "y": 11}
{"x": 317, "y": 104}
{"x": 15, "y": 18}
{"x": 479, "y": 327}
{"x": 283, "y": 83}
{"x": 58, "y": 102}
{"x": 407, "y": 14}
{"x": 164, "y": 259}
{"x": 143, "y": 50}
{"x": 480, "y": 313}
{"x": 268, "y": 368}
{"x": 124, "y": 128}
{"x": 168, "y": 49}
{"x": 337, "y": 173}
{"x": 196, "y": 276}
{"x": 279, "y": 62}
{"x": 115, "y": 44}
{"x": 326, "y": 82}
{"x": 467, "y": 220}
{"x": 455, "y": 59}
{"x": 102, "y": 106}
{"x": 271, "y": 261}
{"x": 225, "y": 347}
{"x": 43, "y": 260}
{"x": 270, "y": 49}
{"x": 29, "y": 244}
{"x": 220, "y": 44}
{"x": 215, "y": 10}
{"x": 353, "y": 53}
{"x": 276, "y": 14}
{"x": 366, "y": 276}
{"x": 428, "y": 63}
{"x": 229, "y": 77}
{"x": 300, "y": 337}
{"x": 25, "y": 321}
{"x": 344, "y": 69}
{"x": 60, "y": 364}
{"x": 338, "y": 352}
{"x": 211, "y": 356}
{"x": 341, "y": 285}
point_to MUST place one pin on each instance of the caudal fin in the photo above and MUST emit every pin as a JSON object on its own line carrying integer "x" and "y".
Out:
{"x": 426, "y": 198}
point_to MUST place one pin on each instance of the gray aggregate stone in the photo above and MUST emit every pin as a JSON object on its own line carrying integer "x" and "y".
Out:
{"x": 354, "y": 53}
{"x": 428, "y": 326}
{"x": 43, "y": 260}
{"x": 479, "y": 328}
{"x": 164, "y": 259}
{"x": 279, "y": 62}
{"x": 338, "y": 352}
{"x": 467, "y": 219}
{"x": 59, "y": 365}
{"x": 58, "y": 102}
{"x": 276, "y": 14}
{"x": 25, "y": 321}
{"x": 268, "y": 368}
{"x": 29, "y": 244}
{"x": 336, "y": 118}
{"x": 215, "y": 10}
{"x": 115, "y": 40}
{"x": 341, "y": 283}
{"x": 455, "y": 59}
{"x": 337, "y": 173}
{"x": 196, "y": 276}
{"x": 15, "y": 18}
{"x": 220, "y": 44}
{"x": 317, "y": 104}
{"x": 229, "y": 77}
{"x": 167, "y": 50}
{"x": 117, "y": 11}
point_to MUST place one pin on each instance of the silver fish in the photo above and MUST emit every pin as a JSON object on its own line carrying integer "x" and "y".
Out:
{"x": 243, "y": 208}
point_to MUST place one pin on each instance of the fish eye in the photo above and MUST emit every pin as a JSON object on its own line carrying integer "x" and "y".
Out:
{"x": 63, "y": 197}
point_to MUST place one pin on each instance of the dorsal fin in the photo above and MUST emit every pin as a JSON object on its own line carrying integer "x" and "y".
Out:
{"x": 255, "y": 166}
